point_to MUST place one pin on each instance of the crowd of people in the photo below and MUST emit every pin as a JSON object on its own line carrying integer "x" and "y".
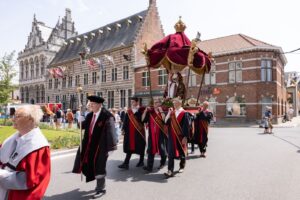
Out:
{"x": 25, "y": 156}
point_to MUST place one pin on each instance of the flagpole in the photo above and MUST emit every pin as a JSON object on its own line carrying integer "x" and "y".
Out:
{"x": 83, "y": 54}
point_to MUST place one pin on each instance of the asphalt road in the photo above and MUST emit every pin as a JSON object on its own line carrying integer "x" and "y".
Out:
{"x": 241, "y": 164}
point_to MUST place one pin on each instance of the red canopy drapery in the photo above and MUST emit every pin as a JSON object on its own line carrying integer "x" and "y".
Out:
{"x": 173, "y": 50}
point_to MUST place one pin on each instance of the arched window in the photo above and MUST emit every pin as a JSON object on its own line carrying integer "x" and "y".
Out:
{"x": 265, "y": 101}
{"x": 26, "y": 69}
{"x": 43, "y": 60}
{"x": 26, "y": 95}
{"x": 22, "y": 94}
{"x": 212, "y": 105}
{"x": 42, "y": 93}
{"x": 37, "y": 67}
{"x": 37, "y": 90}
{"x": 31, "y": 68}
{"x": 235, "y": 106}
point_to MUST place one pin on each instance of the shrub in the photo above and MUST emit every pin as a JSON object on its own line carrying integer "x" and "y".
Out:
{"x": 65, "y": 142}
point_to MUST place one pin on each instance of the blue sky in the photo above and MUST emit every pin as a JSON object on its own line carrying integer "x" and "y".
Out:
{"x": 274, "y": 22}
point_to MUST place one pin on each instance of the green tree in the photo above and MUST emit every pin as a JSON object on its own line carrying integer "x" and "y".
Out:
{"x": 7, "y": 73}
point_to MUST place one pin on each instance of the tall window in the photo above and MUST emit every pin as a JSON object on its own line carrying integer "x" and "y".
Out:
{"x": 50, "y": 84}
{"x": 94, "y": 77}
{"x": 42, "y": 94}
{"x": 55, "y": 83}
{"x": 37, "y": 68}
{"x": 210, "y": 78}
{"x": 129, "y": 95}
{"x": 77, "y": 80}
{"x": 86, "y": 79}
{"x": 145, "y": 79}
{"x": 235, "y": 72}
{"x": 125, "y": 73}
{"x": 64, "y": 82}
{"x": 192, "y": 79}
{"x": 123, "y": 98}
{"x": 43, "y": 66}
{"x": 99, "y": 94}
{"x": 103, "y": 76}
{"x": 266, "y": 70}
{"x": 70, "y": 81}
{"x": 110, "y": 99}
{"x": 162, "y": 77}
{"x": 26, "y": 70}
{"x": 114, "y": 74}
{"x": 57, "y": 99}
{"x": 235, "y": 106}
{"x": 31, "y": 70}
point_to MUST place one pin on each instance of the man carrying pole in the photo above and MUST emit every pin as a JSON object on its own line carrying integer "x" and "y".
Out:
{"x": 158, "y": 134}
{"x": 134, "y": 134}
{"x": 178, "y": 122}
{"x": 98, "y": 140}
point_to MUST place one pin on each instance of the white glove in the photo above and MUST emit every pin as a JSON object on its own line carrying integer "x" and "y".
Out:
{"x": 4, "y": 173}
{"x": 81, "y": 119}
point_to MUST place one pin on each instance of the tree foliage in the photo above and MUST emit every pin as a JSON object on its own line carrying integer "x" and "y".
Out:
{"x": 7, "y": 73}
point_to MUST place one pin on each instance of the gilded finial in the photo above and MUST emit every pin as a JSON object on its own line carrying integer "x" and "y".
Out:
{"x": 179, "y": 26}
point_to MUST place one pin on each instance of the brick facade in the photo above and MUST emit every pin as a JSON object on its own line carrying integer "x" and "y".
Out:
{"x": 248, "y": 97}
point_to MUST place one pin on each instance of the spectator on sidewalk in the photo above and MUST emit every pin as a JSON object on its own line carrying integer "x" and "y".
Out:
{"x": 291, "y": 113}
{"x": 268, "y": 120}
{"x": 70, "y": 118}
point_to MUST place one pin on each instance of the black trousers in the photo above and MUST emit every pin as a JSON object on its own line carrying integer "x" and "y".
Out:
{"x": 171, "y": 163}
{"x": 128, "y": 156}
{"x": 100, "y": 184}
{"x": 150, "y": 160}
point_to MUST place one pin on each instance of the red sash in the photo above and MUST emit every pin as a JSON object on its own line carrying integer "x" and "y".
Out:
{"x": 159, "y": 122}
{"x": 138, "y": 126}
{"x": 203, "y": 129}
{"x": 176, "y": 129}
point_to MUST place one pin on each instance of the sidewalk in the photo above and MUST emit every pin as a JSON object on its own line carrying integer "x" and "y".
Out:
{"x": 289, "y": 124}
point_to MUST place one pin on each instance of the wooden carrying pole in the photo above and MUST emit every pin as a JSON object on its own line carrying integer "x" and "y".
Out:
{"x": 199, "y": 92}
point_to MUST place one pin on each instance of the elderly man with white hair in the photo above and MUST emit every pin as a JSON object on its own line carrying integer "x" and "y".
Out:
{"x": 25, "y": 158}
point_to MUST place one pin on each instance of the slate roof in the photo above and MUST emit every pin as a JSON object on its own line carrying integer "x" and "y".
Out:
{"x": 231, "y": 43}
{"x": 121, "y": 33}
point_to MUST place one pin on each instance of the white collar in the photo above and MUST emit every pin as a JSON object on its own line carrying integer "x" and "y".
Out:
{"x": 15, "y": 148}
{"x": 178, "y": 111}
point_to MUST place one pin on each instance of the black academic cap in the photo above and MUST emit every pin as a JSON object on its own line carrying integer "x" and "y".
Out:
{"x": 134, "y": 98}
{"x": 96, "y": 99}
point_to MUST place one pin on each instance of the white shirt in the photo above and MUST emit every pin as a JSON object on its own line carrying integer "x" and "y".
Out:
{"x": 134, "y": 110}
{"x": 171, "y": 88}
{"x": 96, "y": 117}
{"x": 178, "y": 111}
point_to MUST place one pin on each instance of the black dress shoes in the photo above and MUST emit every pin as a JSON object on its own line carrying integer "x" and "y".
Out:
{"x": 124, "y": 166}
{"x": 99, "y": 194}
{"x": 140, "y": 164}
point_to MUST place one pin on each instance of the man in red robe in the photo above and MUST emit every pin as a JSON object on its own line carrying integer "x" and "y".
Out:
{"x": 179, "y": 125}
{"x": 201, "y": 124}
{"x": 134, "y": 134}
{"x": 25, "y": 158}
{"x": 158, "y": 135}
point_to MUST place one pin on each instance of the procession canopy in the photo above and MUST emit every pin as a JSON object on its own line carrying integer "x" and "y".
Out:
{"x": 176, "y": 51}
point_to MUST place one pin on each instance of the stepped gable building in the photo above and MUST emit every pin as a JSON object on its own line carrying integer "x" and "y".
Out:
{"x": 113, "y": 52}
{"x": 247, "y": 75}
{"x": 42, "y": 45}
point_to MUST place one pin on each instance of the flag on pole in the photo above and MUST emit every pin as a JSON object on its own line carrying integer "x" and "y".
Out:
{"x": 110, "y": 59}
{"x": 58, "y": 72}
{"x": 91, "y": 63}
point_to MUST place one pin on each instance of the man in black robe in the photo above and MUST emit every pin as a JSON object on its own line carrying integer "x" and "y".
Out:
{"x": 201, "y": 123}
{"x": 179, "y": 125}
{"x": 158, "y": 135}
{"x": 134, "y": 134}
{"x": 98, "y": 140}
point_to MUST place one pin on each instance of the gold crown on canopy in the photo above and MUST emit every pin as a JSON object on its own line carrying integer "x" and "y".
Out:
{"x": 179, "y": 26}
